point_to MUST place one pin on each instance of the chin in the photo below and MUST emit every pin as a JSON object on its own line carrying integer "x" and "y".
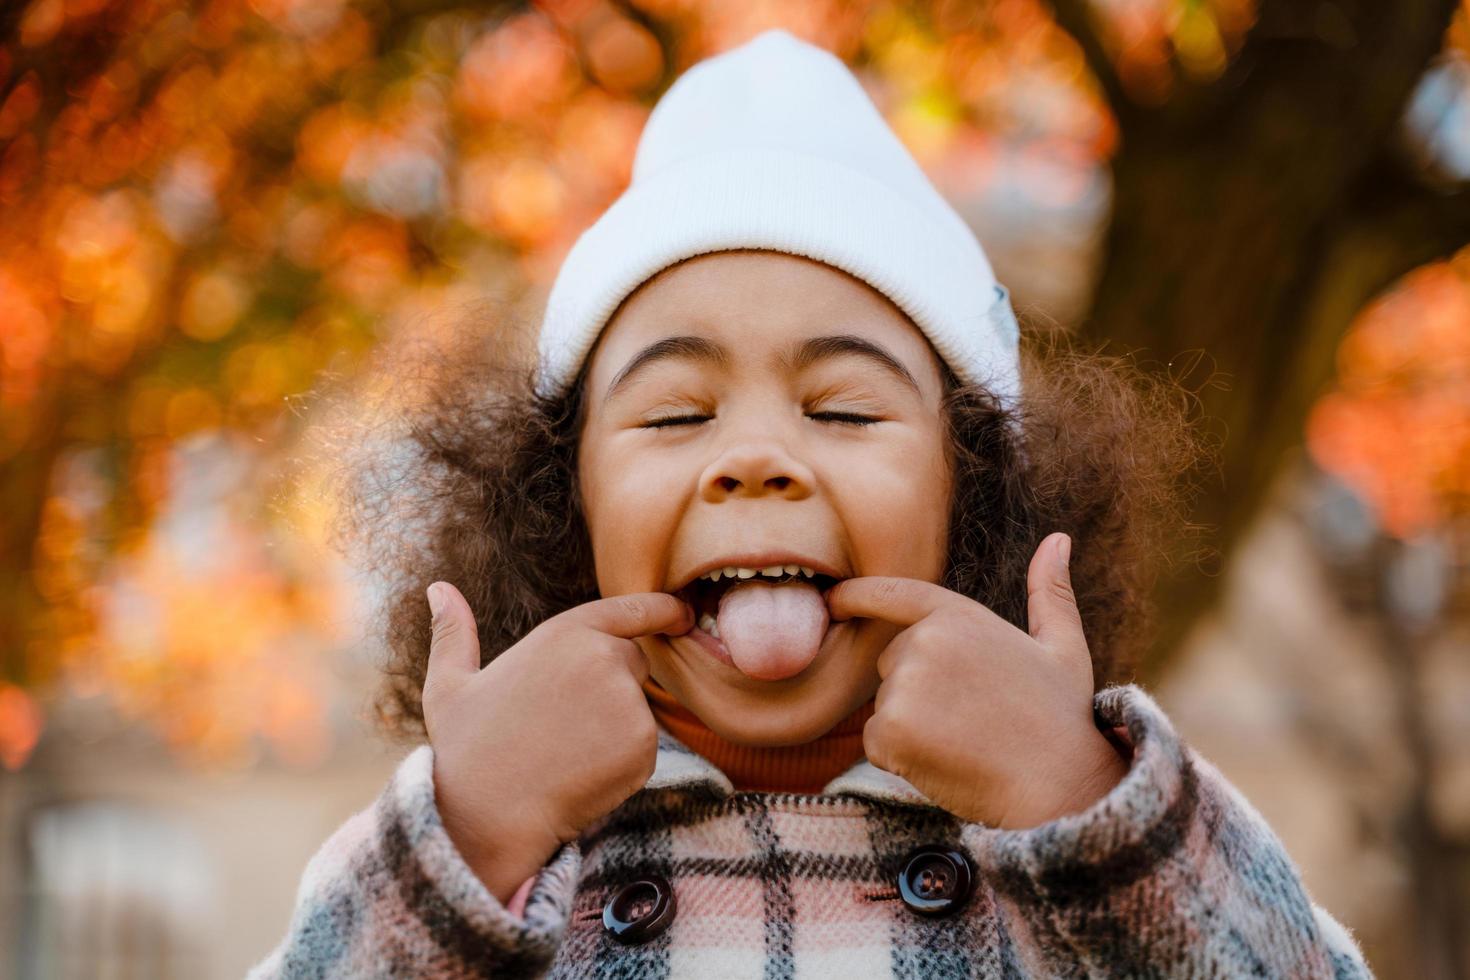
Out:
{"x": 775, "y": 715}
{"x": 776, "y": 731}
{"x": 766, "y": 714}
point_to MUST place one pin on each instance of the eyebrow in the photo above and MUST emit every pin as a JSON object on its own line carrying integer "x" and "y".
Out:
{"x": 803, "y": 355}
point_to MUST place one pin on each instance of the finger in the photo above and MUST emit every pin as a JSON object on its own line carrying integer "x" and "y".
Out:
{"x": 896, "y": 649}
{"x": 635, "y": 614}
{"x": 454, "y": 650}
{"x": 1052, "y": 617}
{"x": 637, "y": 661}
{"x": 903, "y": 601}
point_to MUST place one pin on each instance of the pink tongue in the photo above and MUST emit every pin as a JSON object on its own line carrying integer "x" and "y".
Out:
{"x": 772, "y": 631}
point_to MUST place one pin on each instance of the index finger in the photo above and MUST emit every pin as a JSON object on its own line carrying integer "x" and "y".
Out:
{"x": 635, "y": 614}
{"x": 903, "y": 601}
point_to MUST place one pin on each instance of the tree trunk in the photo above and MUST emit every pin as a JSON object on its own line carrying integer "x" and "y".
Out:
{"x": 1250, "y": 223}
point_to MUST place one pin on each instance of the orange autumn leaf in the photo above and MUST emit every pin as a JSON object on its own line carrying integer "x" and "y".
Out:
{"x": 1396, "y": 426}
{"x": 20, "y": 726}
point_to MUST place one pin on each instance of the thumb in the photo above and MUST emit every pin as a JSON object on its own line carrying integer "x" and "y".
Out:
{"x": 454, "y": 650}
{"x": 1051, "y": 606}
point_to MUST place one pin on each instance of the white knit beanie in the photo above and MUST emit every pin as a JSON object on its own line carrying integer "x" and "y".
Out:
{"x": 775, "y": 145}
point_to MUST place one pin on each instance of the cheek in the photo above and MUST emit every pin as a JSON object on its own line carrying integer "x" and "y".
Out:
{"x": 625, "y": 490}
{"x": 899, "y": 513}
{"x": 603, "y": 480}
{"x": 629, "y": 518}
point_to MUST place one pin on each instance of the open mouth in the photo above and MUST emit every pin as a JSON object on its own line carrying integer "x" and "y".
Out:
{"x": 769, "y": 620}
{"x": 705, "y": 592}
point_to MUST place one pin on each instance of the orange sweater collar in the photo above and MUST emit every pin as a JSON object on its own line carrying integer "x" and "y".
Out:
{"x": 785, "y": 769}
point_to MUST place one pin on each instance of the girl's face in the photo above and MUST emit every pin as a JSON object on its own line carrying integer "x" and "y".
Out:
{"x": 754, "y": 408}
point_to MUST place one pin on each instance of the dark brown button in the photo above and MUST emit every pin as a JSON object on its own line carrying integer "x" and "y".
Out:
{"x": 639, "y": 911}
{"x": 935, "y": 880}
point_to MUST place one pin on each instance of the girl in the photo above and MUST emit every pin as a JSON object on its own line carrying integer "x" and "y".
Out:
{"x": 754, "y": 648}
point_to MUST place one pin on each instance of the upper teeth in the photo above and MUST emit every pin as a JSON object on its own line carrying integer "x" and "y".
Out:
{"x": 774, "y": 571}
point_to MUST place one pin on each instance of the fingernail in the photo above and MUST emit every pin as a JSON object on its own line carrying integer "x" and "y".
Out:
{"x": 1064, "y": 549}
{"x": 436, "y": 600}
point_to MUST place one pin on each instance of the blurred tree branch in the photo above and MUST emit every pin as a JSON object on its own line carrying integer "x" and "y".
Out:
{"x": 1077, "y": 19}
{"x": 1251, "y": 220}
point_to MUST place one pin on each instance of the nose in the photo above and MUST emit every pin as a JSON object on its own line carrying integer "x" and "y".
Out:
{"x": 755, "y": 469}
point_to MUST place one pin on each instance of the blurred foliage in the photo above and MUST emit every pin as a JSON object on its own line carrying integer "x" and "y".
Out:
{"x": 207, "y": 206}
{"x": 1396, "y": 426}
{"x": 210, "y": 205}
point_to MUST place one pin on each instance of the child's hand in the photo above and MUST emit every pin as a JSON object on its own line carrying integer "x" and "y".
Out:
{"x": 551, "y": 735}
{"x": 992, "y": 724}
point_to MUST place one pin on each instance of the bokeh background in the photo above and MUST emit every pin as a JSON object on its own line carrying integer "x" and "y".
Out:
{"x": 213, "y": 213}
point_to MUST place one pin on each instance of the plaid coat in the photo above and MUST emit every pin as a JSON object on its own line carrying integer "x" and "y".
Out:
{"x": 1172, "y": 874}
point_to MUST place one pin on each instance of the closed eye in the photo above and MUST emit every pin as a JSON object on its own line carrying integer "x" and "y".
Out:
{"x": 675, "y": 420}
{"x": 845, "y": 418}
{"x": 841, "y": 418}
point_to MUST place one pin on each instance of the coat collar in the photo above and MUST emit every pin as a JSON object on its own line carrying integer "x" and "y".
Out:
{"x": 680, "y": 767}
